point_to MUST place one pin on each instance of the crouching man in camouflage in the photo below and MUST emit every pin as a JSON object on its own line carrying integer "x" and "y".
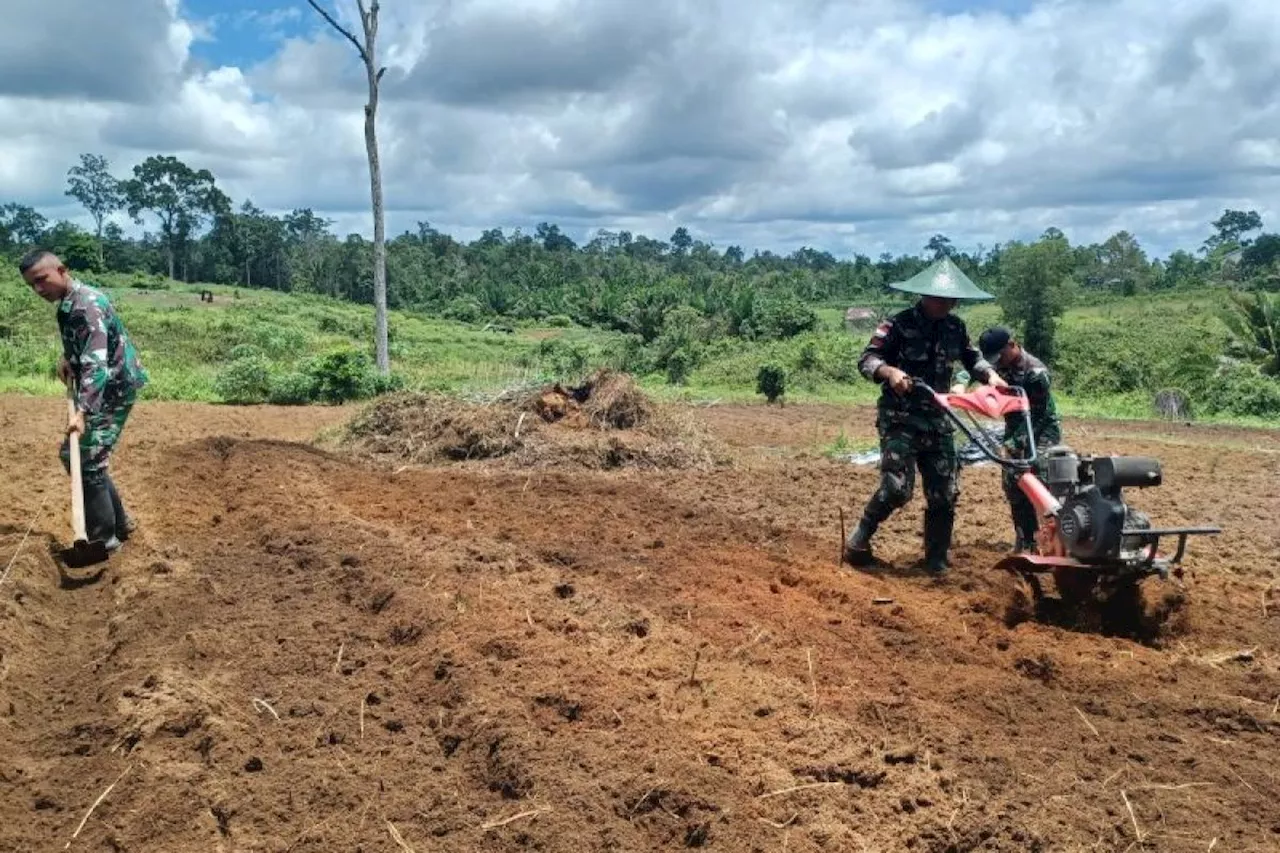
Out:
{"x": 100, "y": 365}
{"x": 921, "y": 342}
{"x": 1021, "y": 369}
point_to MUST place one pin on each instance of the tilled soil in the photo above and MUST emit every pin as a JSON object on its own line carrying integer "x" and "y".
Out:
{"x": 301, "y": 651}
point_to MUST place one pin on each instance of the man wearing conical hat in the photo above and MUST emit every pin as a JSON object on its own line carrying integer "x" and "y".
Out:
{"x": 920, "y": 342}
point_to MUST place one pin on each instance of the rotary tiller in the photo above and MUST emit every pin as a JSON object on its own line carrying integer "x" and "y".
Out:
{"x": 1087, "y": 534}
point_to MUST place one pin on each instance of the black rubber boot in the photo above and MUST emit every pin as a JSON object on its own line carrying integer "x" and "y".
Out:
{"x": 124, "y": 523}
{"x": 100, "y": 515}
{"x": 938, "y": 524}
{"x": 857, "y": 548}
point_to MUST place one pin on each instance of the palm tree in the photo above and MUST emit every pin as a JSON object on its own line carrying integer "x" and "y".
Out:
{"x": 1253, "y": 320}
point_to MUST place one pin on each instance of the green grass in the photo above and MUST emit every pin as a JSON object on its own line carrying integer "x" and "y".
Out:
{"x": 185, "y": 343}
{"x": 34, "y": 385}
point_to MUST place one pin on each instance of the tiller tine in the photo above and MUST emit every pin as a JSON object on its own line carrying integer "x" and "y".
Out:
{"x": 1024, "y": 564}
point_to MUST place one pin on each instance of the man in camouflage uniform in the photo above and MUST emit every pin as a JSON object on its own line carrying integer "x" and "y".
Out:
{"x": 921, "y": 342}
{"x": 100, "y": 366}
{"x": 1021, "y": 369}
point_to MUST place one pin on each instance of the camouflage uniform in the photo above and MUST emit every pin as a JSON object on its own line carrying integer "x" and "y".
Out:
{"x": 913, "y": 432}
{"x": 106, "y": 375}
{"x": 1030, "y": 374}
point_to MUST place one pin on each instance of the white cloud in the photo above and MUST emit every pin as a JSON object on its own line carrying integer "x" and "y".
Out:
{"x": 125, "y": 51}
{"x": 769, "y": 124}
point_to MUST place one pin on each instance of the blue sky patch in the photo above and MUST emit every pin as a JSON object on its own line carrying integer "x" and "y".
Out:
{"x": 1013, "y": 8}
{"x": 246, "y": 32}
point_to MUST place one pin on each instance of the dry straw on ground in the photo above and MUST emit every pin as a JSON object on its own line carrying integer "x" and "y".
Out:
{"x": 606, "y": 422}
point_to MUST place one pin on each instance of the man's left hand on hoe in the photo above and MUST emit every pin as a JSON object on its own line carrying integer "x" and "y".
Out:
{"x": 75, "y": 423}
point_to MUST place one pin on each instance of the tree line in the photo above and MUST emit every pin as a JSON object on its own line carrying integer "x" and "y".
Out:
{"x": 194, "y": 232}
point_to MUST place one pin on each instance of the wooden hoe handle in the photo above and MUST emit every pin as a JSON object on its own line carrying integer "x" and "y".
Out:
{"x": 77, "y": 488}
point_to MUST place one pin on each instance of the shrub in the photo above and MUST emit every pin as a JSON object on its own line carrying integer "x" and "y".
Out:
{"x": 243, "y": 351}
{"x": 808, "y": 357}
{"x": 276, "y": 341}
{"x": 560, "y": 357}
{"x": 1143, "y": 354}
{"x": 332, "y": 378}
{"x": 839, "y": 358}
{"x": 771, "y": 381}
{"x": 627, "y": 354}
{"x": 679, "y": 364}
{"x": 1241, "y": 390}
{"x": 341, "y": 375}
{"x": 155, "y": 282}
{"x": 245, "y": 380}
{"x": 389, "y": 384}
{"x": 329, "y": 325}
{"x": 465, "y": 309}
{"x": 679, "y": 348}
{"x": 781, "y": 316}
{"x": 292, "y": 389}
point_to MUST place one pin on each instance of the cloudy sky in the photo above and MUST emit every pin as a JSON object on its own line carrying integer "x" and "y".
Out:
{"x": 849, "y": 126}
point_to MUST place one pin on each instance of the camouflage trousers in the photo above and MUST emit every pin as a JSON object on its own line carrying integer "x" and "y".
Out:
{"x": 101, "y": 434}
{"x": 908, "y": 443}
{"x": 1025, "y": 520}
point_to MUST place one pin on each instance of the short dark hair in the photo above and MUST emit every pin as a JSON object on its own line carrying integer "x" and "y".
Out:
{"x": 35, "y": 256}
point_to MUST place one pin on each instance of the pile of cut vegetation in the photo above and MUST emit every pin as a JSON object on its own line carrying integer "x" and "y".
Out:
{"x": 606, "y": 422}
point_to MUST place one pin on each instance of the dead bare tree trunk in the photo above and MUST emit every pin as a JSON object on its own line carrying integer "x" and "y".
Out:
{"x": 368, "y": 54}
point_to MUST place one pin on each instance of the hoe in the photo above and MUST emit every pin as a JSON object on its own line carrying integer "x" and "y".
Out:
{"x": 1088, "y": 535}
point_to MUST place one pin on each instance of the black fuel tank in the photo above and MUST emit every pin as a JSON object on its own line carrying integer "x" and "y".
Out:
{"x": 1126, "y": 472}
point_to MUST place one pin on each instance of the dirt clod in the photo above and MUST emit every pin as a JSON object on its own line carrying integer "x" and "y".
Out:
{"x": 1041, "y": 667}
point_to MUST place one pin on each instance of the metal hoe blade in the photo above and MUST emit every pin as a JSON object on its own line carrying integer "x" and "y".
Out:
{"x": 84, "y": 553}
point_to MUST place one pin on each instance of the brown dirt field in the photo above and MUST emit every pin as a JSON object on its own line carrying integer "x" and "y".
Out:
{"x": 302, "y": 651}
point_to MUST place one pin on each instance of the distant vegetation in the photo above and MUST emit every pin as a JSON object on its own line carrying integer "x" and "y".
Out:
{"x": 290, "y": 321}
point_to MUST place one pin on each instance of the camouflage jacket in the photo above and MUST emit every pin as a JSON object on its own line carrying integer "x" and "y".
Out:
{"x": 925, "y": 349}
{"x": 1030, "y": 374}
{"x": 104, "y": 362}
